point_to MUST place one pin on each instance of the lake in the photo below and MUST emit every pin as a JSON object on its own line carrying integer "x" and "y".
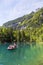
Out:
{"x": 23, "y": 55}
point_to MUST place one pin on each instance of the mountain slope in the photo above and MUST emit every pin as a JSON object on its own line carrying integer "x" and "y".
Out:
{"x": 34, "y": 19}
{"x": 15, "y": 23}
{"x": 28, "y": 27}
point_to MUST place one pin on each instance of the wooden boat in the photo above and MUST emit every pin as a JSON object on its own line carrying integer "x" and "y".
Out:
{"x": 10, "y": 47}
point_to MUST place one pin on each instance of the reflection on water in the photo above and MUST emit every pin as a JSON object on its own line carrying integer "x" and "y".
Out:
{"x": 23, "y": 55}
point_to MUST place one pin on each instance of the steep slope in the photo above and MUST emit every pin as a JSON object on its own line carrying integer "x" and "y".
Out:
{"x": 28, "y": 27}
{"x": 34, "y": 19}
{"x": 15, "y": 23}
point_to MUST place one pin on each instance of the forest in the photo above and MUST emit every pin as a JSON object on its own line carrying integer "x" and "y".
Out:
{"x": 29, "y": 28}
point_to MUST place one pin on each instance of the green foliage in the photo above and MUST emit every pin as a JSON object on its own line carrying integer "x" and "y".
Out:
{"x": 6, "y": 34}
{"x": 32, "y": 33}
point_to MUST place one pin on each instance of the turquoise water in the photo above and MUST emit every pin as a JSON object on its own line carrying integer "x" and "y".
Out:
{"x": 23, "y": 55}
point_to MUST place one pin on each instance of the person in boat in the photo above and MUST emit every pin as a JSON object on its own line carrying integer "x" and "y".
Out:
{"x": 15, "y": 45}
{"x": 12, "y": 46}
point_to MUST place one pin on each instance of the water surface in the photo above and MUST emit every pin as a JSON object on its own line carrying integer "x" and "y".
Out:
{"x": 23, "y": 55}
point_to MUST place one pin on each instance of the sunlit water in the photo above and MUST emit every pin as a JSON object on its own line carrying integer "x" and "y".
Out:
{"x": 23, "y": 55}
